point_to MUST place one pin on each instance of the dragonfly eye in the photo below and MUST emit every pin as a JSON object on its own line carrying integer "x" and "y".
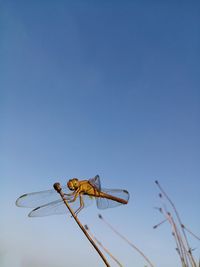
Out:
{"x": 73, "y": 184}
{"x": 70, "y": 185}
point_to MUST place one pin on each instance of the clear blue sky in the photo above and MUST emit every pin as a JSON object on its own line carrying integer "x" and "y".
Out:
{"x": 98, "y": 87}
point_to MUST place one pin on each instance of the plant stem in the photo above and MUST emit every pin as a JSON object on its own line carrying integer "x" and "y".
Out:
{"x": 184, "y": 239}
{"x": 124, "y": 238}
{"x": 189, "y": 231}
{"x": 103, "y": 247}
{"x": 58, "y": 188}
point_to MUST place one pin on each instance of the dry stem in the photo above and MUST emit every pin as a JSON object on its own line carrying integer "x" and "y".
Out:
{"x": 124, "y": 238}
{"x": 103, "y": 247}
{"x": 58, "y": 188}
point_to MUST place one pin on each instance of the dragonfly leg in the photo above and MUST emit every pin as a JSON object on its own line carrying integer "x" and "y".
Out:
{"x": 70, "y": 195}
{"x": 76, "y": 194}
{"x": 81, "y": 205}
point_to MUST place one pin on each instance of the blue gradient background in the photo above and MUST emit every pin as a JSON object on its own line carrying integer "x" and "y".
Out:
{"x": 98, "y": 87}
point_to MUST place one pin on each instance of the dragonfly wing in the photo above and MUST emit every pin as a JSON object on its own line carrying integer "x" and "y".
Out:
{"x": 59, "y": 207}
{"x": 104, "y": 203}
{"x": 96, "y": 182}
{"x": 36, "y": 199}
{"x": 55, "y": 207}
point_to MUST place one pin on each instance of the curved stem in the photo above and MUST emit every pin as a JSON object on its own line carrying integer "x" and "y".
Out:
{"x": 125, "y": 239}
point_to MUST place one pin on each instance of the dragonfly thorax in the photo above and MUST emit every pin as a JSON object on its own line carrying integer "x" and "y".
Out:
{"x": 73, "y": 184}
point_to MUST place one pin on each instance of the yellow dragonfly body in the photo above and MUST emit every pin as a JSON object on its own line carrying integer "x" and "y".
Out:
{"x": 78, "y": 194}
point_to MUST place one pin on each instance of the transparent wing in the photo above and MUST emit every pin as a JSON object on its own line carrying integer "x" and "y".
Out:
{"x": 96, "y": 182}
{"x": 59, "y": 207}
{"x": 104, "y": 203}
{"x": 36, "y": 199}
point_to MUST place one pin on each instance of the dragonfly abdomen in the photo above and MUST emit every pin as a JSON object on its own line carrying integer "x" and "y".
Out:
{"x": 117, "y": 199}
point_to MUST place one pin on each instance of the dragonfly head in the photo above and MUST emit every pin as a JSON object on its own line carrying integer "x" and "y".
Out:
{"x": 73, "y": 184}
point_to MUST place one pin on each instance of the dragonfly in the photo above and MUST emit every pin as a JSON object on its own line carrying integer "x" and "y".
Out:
{"x": 78, "y": 193}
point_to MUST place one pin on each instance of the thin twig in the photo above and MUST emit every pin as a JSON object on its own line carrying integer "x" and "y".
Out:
{"x": 158, "y": 224}
{"x": 103, "y": 247}
{"x": 189, "y": 231}
{"x": 176, "y": 234}
{"x": 179, "y": 241}
{"x": 124, "y": 238}
{"x": 179, "y": 220}
{"x": 58, "y": 188}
